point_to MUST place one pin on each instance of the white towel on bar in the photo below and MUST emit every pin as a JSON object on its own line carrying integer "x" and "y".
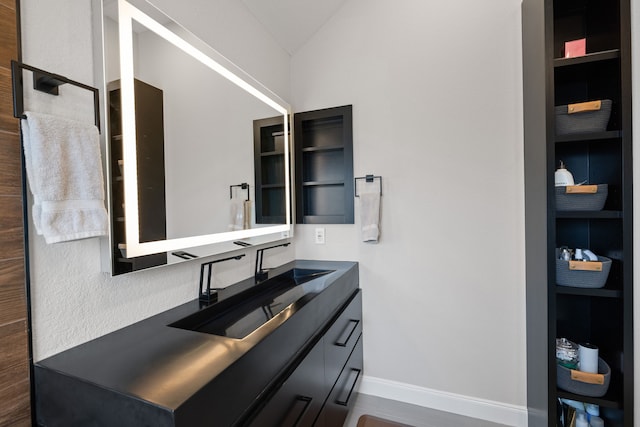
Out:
{"x": 64, "y": 170}
{"x": 370, "y": 216}
{"x": 247, "y": 214}
{"x": 236, "y": 214}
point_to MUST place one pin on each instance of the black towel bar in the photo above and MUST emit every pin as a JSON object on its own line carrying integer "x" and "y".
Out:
{"x": 47, "y": 82}
{"x": 367, "y": 178}
{"x": 243, "y": 186}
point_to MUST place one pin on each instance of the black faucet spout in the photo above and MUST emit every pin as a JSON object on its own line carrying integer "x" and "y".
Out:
{"x": 205, "y": 293}
{"x": 262, "y": 274}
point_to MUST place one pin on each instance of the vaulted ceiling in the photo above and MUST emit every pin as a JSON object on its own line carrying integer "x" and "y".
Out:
{"x": 293, "y": 22}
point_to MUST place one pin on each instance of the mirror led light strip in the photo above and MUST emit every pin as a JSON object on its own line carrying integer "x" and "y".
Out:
{"x": 127, "y": 13}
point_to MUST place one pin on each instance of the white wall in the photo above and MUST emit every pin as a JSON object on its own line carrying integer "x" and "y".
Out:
{"x": 210, "y": 141}
{"x": 72, "y": 301}
{"x": 436, "y": 89}
{"x": 230, "y": 28}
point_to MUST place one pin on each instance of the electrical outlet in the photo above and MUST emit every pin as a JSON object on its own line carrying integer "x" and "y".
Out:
{"x": 320, "y": 236}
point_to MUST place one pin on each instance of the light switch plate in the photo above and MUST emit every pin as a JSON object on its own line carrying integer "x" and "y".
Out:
{"x": 320, "y": 236}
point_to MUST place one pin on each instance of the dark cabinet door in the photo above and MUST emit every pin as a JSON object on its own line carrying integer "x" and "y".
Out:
{"x": 343, "y": 394}
{"x": 299, "y": 399}
{"x": 341, "y": 338}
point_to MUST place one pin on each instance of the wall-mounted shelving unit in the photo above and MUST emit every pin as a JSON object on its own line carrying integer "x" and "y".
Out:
{"x": 268, "y": 139}
{"x": 601, "y": 316}
{"x": 324, "y": 166}
{"x": 151, "y": 175}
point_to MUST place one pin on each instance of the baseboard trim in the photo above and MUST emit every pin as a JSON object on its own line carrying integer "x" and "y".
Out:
{"x": 488, "y": 410}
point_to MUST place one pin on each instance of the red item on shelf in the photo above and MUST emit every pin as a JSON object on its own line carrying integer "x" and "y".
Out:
{"x": 575, "y": 48}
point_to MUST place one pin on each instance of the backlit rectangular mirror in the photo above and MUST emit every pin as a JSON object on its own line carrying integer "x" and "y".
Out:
{"x": 181, "y": 143}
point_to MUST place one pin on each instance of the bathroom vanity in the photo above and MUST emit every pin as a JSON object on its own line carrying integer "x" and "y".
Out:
{"x": 283, "y": 352}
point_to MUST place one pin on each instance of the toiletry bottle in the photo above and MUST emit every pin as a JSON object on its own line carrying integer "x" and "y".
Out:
{"x": 581, "y": 419}
{"x": 592, "y": 410}
{"x": 563, "y": 177}
{"x": 565, "y": 254}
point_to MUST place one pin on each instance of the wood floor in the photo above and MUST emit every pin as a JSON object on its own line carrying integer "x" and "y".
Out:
{"x": 411, "y": 415}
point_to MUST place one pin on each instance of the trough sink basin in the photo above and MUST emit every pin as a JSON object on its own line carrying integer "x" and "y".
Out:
{"x": 240, "y": 315}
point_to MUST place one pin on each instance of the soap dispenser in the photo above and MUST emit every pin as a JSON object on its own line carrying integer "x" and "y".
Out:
{"x": 563, "y": 177}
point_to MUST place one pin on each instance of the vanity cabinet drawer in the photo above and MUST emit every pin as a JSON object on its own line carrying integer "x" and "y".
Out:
{"x": 342, "y": 395}
{"x": 299, "y": 399}
{"x": 342, "y": 337}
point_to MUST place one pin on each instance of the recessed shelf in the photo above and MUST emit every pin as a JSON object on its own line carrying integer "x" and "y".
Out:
{"x": 269, "y": 169}
{"x": 598, "y": 292}
{"x": 589, "y": 214}
{"x": 609, "y": 400}
{"x": 320, "y": 183}
{"x": 324, "y": 219}
{"x": 324, "y": 166}
{"x": 272, "y": 153}
{"x": 316, "y": 149}
{"x": 588, "y": 58}
{"x": 595, "y": 136}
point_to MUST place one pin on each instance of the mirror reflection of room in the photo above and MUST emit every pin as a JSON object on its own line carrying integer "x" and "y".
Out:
{"x": 194, "y": 140}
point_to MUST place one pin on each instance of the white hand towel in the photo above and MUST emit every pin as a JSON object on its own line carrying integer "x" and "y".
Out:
{"x": 247, "y": 215}
{"x": 370, "y": 216}
{"x": 64, "y": 170}
{"x": 236, "y": 214}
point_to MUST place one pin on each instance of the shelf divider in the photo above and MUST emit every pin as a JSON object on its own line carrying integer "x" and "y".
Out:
{"x": 588, "y": 58}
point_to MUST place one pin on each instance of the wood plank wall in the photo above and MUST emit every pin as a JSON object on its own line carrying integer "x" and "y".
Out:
{"x": 15, "y": 406}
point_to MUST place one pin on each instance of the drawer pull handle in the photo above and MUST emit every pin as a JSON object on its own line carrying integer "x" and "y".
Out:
{"x": 345, "y": 336}
{"x": 297, "y": 411}
{"x": 342, "y": 399}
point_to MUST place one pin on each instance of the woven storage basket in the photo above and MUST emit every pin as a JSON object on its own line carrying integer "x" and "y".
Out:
{"x": 581, "y": 202}
{"x": 584, "y": 121}
{"x": 565, "y": 382}
{"x": 582, "y": 278}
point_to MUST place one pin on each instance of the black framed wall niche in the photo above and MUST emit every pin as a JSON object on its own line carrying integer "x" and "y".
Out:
{"x": 324, "y": 166}
{"x": 269, "y": 140}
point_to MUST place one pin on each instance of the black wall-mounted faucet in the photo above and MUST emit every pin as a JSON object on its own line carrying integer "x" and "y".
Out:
{"x": 263, "y": 274}
{"x": 206, "y": 294}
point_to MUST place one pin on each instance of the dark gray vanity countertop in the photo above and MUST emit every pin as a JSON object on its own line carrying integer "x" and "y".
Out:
{"x": 166, "y": 366}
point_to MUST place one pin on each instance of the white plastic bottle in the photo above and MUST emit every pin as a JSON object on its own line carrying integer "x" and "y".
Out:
{"x": 563, "y": 177}
{"x": 581, "y": 419}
